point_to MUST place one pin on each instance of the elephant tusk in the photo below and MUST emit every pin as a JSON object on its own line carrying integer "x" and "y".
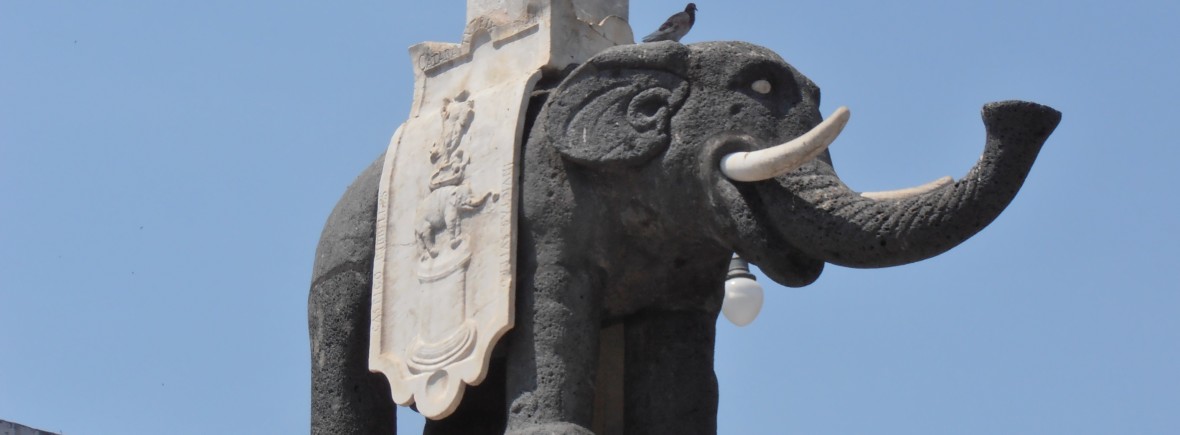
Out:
{"x": 909, "y": 191}
{"x": 771, "y": 162}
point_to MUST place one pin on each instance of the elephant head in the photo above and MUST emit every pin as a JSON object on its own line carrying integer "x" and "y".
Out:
{"x": 724, "y": 142}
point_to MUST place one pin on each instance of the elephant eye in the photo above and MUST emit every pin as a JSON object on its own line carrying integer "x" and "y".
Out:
{"x": 761, "y": 87}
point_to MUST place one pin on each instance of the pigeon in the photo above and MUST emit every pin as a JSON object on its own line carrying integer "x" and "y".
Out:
{"x": 676, "y": 27}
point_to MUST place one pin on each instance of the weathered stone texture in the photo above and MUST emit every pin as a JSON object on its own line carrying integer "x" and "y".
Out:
{"x": 345, "y": 397}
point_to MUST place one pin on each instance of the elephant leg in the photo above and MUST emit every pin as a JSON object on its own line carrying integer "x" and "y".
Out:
{"x": 452, "y": 222}
{"x": 553, "y": 351}
{"x": 668, "y": 373}
{"x": 345, "y": 397}
{"x": 425, "y": 239}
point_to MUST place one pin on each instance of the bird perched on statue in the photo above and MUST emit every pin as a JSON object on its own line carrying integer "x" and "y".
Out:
{"x": 676, "y": 27}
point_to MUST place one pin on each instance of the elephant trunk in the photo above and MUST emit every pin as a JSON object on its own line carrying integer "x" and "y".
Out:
{"x": 826, "y": 220}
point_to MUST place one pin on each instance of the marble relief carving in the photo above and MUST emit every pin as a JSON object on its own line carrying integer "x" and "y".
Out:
{"x": 445, "y": 333}
{"x": 445, "y": 258}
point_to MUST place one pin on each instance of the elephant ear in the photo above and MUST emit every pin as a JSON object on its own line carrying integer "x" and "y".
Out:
{"x": 615, "y": 109}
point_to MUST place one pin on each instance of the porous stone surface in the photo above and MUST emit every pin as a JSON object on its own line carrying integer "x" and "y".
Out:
{"x": 345, "y": 397}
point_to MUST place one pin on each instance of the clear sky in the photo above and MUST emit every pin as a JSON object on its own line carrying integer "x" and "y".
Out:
{"x": 166, "y": 168}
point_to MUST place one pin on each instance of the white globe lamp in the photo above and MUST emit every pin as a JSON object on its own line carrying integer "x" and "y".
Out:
{"x": 743, "y": 295}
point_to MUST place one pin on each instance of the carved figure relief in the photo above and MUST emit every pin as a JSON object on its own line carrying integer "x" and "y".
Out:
{"x": 445, "y": 255}
{"x": 445, "y": 334}
{"x": 440, "y": 213}
{"x": 447, "y": 211}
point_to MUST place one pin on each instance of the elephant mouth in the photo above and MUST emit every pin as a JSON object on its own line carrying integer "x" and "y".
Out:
{"x": 748, "y": 226}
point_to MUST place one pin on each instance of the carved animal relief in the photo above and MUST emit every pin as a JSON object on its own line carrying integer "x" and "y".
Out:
{"x": 445, "y": 253}
{"x": 446, "y": 333}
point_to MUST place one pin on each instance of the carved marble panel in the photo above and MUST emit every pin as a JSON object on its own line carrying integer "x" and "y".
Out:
{"x": 445, "y": 258}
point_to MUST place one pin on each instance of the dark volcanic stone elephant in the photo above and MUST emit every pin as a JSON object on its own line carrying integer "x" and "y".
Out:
{"x": 627, "y": 220}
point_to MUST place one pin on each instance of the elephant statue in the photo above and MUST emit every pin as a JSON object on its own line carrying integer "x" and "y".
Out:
{"x": 642, "y": 171}
{"x": 439, "y": 215}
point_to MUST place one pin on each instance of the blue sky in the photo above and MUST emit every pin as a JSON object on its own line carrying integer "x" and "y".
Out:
{"x": 166, "y": 168}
